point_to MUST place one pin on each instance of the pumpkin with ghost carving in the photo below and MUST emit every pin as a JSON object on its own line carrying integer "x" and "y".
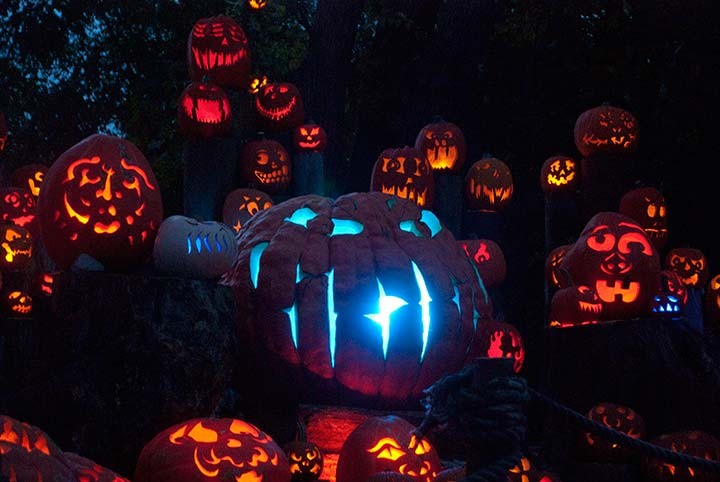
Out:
{"x": 366, "y": 295}
{"x": 405, "y": 173}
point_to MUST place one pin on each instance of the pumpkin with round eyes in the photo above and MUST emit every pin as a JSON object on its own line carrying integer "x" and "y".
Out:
{"x": 690, "y": 264}
{"x": 279, "y": 107}
{"x": 692, "y": 442}
{"x": 16, "y": 245}
{"x": 243, "y": 203}
{"x": 712, "y": 302}
{"x": 18, "y": 207}
{"x": 203, "y": 111}
{"x": 405, "y": 173}
{"x": 614, "y": 256}
{"x": 305, "y": 459}
{"x": 265, "y": 165}
{"x": 488, "y": 185}
{"x": 386, "y": 443}
{"x": 559, "y": 174}
{"x": 443, "y": 145}
{"x": 218, "y": 48}
{"x": 574, "y": 306}
{"x": 553, "y": 276}
{"x": 30, "y": 177}
{"x": 212, "y": 449}
{"x": 647, "y": 206}
{"x": 257, "y": 82}
{"x": 100, "y": 198}
{"x": 488, "y": 258}
{"x": 309, "y": 137}
{"x": 606, "y": 130}
{"x": 617, "y": 417}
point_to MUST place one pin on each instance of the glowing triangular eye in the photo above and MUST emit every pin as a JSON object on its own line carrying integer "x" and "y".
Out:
{"x": 315, "y": 131}
{"x": 303, "y": 131}
{"x": 387, "y": 448}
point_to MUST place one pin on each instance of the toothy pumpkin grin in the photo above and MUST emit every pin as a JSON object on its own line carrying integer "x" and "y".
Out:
{"x": 406, "y": 192}
{"x": 610, "y": 290}
{"x": 205, "y": 111}
{"x": 275, "y": 113}
{"x": 281, "y": 175}
{"x": 208, "y": 59}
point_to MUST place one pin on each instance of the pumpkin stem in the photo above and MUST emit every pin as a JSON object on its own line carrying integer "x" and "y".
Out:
{"x": 300, "y": 430}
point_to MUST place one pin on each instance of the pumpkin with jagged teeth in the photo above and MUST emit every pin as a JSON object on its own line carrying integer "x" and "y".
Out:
{"x": 265, "y": 165}
{"x": 279, "y": 106}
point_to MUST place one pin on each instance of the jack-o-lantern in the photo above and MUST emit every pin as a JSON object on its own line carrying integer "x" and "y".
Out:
{"x": 257, "y": 82}
{"x": 203, "y": 111}
{"x": 100, "y": 198}
{"x": 243, "y": 203}
{"x": 443, "y": 145}
{"x": 30, "y": 177}
{"x": 218, "y": 48}
{"x": 691, "y": 442}
{"x": 386, "y": 443}
{"x": 488, "y": 185}
{"x": 212, "y": 449}
{"x": 523, "y": 471}
{"x": 670, "y": 295}
{"x": 279, "y": 107}
{"x": 615, "y": 257}
{"x": 488, "y": 258}
{"x": 498, "y": 339}
{"x": 187, "y": 247}
{"x": 46, "y": 283}
{"x": 559, "y": 174}
{"x": 574, "y": 306}
{"x": 257, "y": 4}
{"x": 606, "y": 130}
{"x": 18, "y": 303}
{"x": 17, "y": 246}
{"x": 305, "y": 459}
{"x": 712, "y": 302}
{"x": 553, "y": 276}
{"x": 309, "y": 137}
{"x": 88, "y": 471}
{"x": 3, "y": 132}
{"x": 367, "y": 292}
{"x": 18, "y": 206}
{"x": 646, "y": 205}
{"x": 690, "y": 264}
{"x": 405, "y": 173}
{"x": 617, "y": 417}
{"x": 265, "y": 165}
{"x": 668, "y": 280}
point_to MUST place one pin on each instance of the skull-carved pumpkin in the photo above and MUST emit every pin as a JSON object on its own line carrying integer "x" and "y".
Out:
{"x": 203, "y": 111}
{"x": 18, "y": 206}
{"x": 30, "y": 177}
{"x": 692, "y": 442}
{"x": 615, "y": 257}
{"x": 187, "y": 247}
{"x": 559, "y": 174}
{"x": 17, "y": 246}
{"x": 265, "y": 165}
{"x": 309, "y": 137}
{"x": 100, "y": 198}
{"x": 498, "y": 339}
{"x": 243, "y": 203}
{"x": 443, "y": 145}
{"x": 553, "y": 276}
{"x": 405, "y": 173}
{"x": 386, "y": 443}
{"x": 488, "y": 258}
{"x": 218, "y": 48}
{"x": 488, "y": 185}
{"x": 690, "y": 264}
{"x": 606, "y": 130}
{"x": 366, "y": 296}
{"x": 18, "y": 303}
{"x": 574, "y": 306}
{"x": 617, "y": 417}
{"x": 712, "y": 302}
{"x": 212, "y": 449}
{"x": 279, "y": 107}
{"x": 647, "y": 206}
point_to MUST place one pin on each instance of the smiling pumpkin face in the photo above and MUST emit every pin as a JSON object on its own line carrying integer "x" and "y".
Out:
{"x": 405, "y": 173}
{"x": 265, "y": 165}
{"x": 279, "y": 106}
{"x": 309, "y": 137}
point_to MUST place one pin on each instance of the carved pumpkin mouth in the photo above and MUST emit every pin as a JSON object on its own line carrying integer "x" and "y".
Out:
{"x": 209, "y": 59}
{"x": 407, "y": 192}
{"x": 656, "y": 233}
{"x": 309, "y": 144}
{"x": 617, "y": 290}
{"x": 279, "y": 175}
{"x": 275, "y": 113}
{"x": 11, "y": 254}
{"x": 423, "y": 470}
{"x": 492, "y": 194}
{"x": 691, "y": 280}
{"x": 206, "y": 111}
{"x": 560, "y": 179}
{"x": 588, "y": 307}
{"x": 24, "y": 220}
{"x": 441, "y": 152}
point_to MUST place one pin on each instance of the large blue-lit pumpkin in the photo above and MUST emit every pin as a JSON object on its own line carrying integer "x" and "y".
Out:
{"x": 365, "y": 295}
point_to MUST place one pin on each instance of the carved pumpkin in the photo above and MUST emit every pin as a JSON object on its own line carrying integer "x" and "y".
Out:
{"x": 88, "y": 471}
{"x": 488, "y": 258}
{"x": 574, "y": 306}
{"x": 17, "y": 247}
{"x": 405, "y": 173}
{"x": 553, "y": 276}
{"x": 187, "y": 247}
{"x": 606, "y": 130}
{"x": 309, "y": 137}
{"x": 690, "y": 264}
{"x": 488, "y": 185}
{"x": 18, "y": 207}
{"x": 668, "y": 280}
{"x": 617, "y": 417}
{"x": 386, "y": 443}
{"x": 101, "y": 198}
{"x": 691, "y": 442}
{"x": 559, "y": 174}
{"x": 257, "y": 82}
{"x": 46, "y": 283}
{"x": 257, "y": 4}
{"x": 712, "y": 301}
{"x": 3, "y": 132}
{"x": 212, "y": 449}
{"x": 30, "y": 177}
{"x": 523, "y": 471}
{"x": 203, "y": 111}
{"x": 670, "y": 295}
{"x": 443, "y": 145}
{"x": 614, "y": 256}
{"x": 305, "y": 459}
{"x": 498, "y": 339}
{"x": 265, "y": 165}
{"x": 242, "y": 204}
{"x": 218, "y": 48}
{"x": 367, "y": 292}
{"x": 18, "y": 303}
{"x": 279, "y": 107}
{"x": 647, "y": 206}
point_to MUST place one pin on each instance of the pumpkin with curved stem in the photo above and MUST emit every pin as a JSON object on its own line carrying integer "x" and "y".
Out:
{"x": 16, "y": 247}
{"x": 208, "y": 449}
{"x": 243, "y": 203}
{"x": 305, "y": 457}
{"x": 309, "y": 137}
{"x": 204, "y": 111}
{"x": 488, "y": 258}
{"x": 647, "y": 206}
{"x": 690, "y": 264}
{"x": 692, "y": 442}
{"x": 574, "y": 306}
{"x": 265, "y": 164}
{"x": 405, "y": 173}
{"x": 30, "y": 177}
{"x": 606, "y": 130}
{"x": 617, "y": 417}
{"x": 559, "y": 174}
{"x": 279, "y": 106}
{"x": 218, "y": 48}
{"x": 443, "y": 145}
{"x": 488, "y": 185}
{"x": 100, "y": 198}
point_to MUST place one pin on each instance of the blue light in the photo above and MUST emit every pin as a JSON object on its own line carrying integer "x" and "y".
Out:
{"x": 431, "y": 221}
{"x": 302, "y": 216}
{"x": 217, "y": 243}
{"x": 189, "y": 243}
{"x": 332, "y": 315}
{"x": 456, "y": 298}
{"x": 292, "y": 314}
{"x": 671, "y": 306}
{"x": 207, "y": 243}
{"x": 345, "y": 226}
{"x": 387, "y": 305}
{"x": 255, "y": 254}
{"x": 410, "y": 227}
{"x": 198, "y": 243}
{"x": 424, "y": 305}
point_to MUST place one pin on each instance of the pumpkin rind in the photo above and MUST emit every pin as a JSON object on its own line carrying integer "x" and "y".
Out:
{"x": 443, "y": 145}
{"x": 404, "y": 172}
{"x": 606, "y": 130}
{"x": 488, "y": 185}
{"x": 203, "y": 111}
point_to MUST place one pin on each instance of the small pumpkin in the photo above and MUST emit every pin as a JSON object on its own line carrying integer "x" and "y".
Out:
{"x": 692, "y": 442}
{"x": 265, "y": 165}
{"x": 574, "y": 306}
{"x": 243, "y": 203}
{"x": 606, "y": 130}
{"x": 559, "y": 174}
{"x": 488, "y": 258}
{"x": 203, "y": 111}
{"x": 647, "y": 206}
{"x": 279, "y": 107}
{"x": 257, "y": 4}
{"x": 257, "y": 82}
{"x": 18, "y": 206}
{"x": 305, "y": 457}
{"x": 617, "y": 417}
{"x": 18, "y": 303}
{"x": 690, "y": 264}
{"x": 443, "y": 145}
{"x": 404, "y": 172}
{"x": 309, "y": 137}
{"x": 553, "y": 276}
{"x": 670, "y": 295}
{"x": 30, "y": 177}
{"x": 17, "y": 247}
{"x": 488, "y": 185}
{"x": 498, "y": 339}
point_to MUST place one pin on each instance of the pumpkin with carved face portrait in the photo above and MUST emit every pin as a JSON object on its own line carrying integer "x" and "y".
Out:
{"x": 279, "y": 107}
{"x": 16, "y": 245}
{"x": 574, "y": 306}
{"x": 405, "y": 173}
{"x": 498, "y": 339}
{"x": 386, "y": 443}
{"x": 18, "y": 207}
{"x": 559, "y": 174}
{"x": 553, "y": 276}
{"x": 218, "y": 48}
{"x": 265, "y": 165}
{"x": 309, "y": 137}
{"x": 488, "y": 258}
{"x": 690, "y": 264}
{"x": 100, "y": 198}
{"x": 691, "y": 442}
{"x": 212, "y": 449}
{"x": 647, "y": 206}
{"x": 595, "y": 447}
{"x": 243, "y": 203}
{"x": 488, "y": 185}
{"x": 606, "y": 130}
{"x": 615, "y": 257}
{"x": 443, "y": 145}
{"x": 30, "y": 177}
{"x": 203, "y": 111}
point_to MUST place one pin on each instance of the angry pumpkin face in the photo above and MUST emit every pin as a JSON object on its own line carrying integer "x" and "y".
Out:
{"x": 405, "y": 173}
{"x": 309, "y": 137}
{"x": 16, "y": 243}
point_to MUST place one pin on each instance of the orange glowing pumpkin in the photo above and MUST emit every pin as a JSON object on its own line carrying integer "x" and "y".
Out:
{"x": 690, "y": 264}
{"x": 30, "y": 177}
{"x": 574, "y": 306}
{"x": 203, "y": 111}
{"x": 443, "y": 145}
{"x": 606, "y": 130}
{"x": 243, "y": 203}
{"x": 692, "y": 442}
{"x": 17, "y": 247}
{"x": 488, "y": 185}
{"x": 279, "y": 107}
{"x": 265, "y": 165}
{"x": 618, "y": 417}
{"x": 405, "y": 173}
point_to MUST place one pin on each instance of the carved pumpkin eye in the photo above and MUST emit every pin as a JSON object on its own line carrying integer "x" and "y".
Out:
{"x": 311, "y": 454}
{"x": 392, "y": 164}
{"x": 651, "y": 210}
{"x": 283, "y": 89}
{"x": 269, "y": 89}
{"x": 634, "y": 242}
{"x": 601, "y": 242}
{"x": 280, "y": 154}
{"x": 422, "y": 447}
{"x": 234, "y": 443}
{"x": 387, "y": 448}
{"x": 261, "y": 157}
